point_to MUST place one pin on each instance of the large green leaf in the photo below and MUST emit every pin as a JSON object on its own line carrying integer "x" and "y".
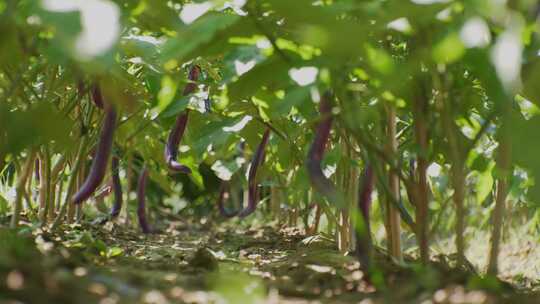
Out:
{"x": 271, "y": 73}
{"x": 36, "y": 126}
{"x": 201, "y": 31}
{"x": 484, "y": 184}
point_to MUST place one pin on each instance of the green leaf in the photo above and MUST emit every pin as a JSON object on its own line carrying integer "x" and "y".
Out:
{"x": 449, "y": 49}
{"x": 160, "y": 179}
{"x": 166, "y": 93}
{"x": 4, "y": 205}
{"x": 29, "y": 128}
{"x": 479, "y": 62}
{"x": 140, "y": 46}
{"x": 215, "y": 133}
{"x": 526, "y": 151}
{"x": 239, "y": 55}
{"x": 100, "y": 245}
{"x": 531, "y": 78}
{"x": 10, "y": 48}
{"x": 64, "y": 29}
{"x": 293, "y": 98}
{"x": 114, "y": 252}
{"x": 379, "y": 60}
{"x": 484, "y": 184}
{"x": 271, "y": 73}
{"x": 317, "y": 25}
{"x": 200, "y": 32}
{"x": 193, "y": 165}
{"x": 176, "y": 107}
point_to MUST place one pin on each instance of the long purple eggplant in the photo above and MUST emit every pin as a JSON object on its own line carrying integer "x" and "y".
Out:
{"x": 96, "y": 96}
{"x": 141, "y": 198}
{"x": 36, "y": 169}
{"x": 80, "y": 87}
{"x": 221, "y": 201}
{"x": 364, "y": 245}
{"x": 99, "y": 164}
{"x": 171, "y": 150}
{"x": 194, "y": 74}
{"x": 177, "y": 132}
{"x": 256, "y": 162}
{"x": 117, "y": 187}
{"x": 316, "y": 152}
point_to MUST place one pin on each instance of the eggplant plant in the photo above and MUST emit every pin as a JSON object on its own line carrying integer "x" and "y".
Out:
{"x": 441, "y": 97}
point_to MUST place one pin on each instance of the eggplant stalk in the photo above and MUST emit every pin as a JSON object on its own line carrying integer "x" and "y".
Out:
{"x": 364, "y": 246}
{"x": 505, "y": 166}
{"x": 73, "y": 176}
{"x": 393, "y": 217}
{"x": 19, "y": 190}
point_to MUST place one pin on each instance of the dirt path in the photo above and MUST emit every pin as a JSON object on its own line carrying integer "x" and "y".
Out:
{"x": 208, "y": 263}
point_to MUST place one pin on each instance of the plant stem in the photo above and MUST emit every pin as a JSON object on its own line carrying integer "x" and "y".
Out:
{"x": 29, "y": 185}
{"x": 275, "y": 202}
{"x": 53, "y": 181}
{"x": 44, "y": 180}
{"x": 503, "y": 165}
{"x": 343, "y": 180}
{"x": 73, "y": 209}
{"x": 353, "y": 206}
{"x": 129, "y": 179}
{"x": 19, "y": 190}
{"x": 393, "y": 217}
{"x": 315, "y": 227}
{"x": 59, "y": 194}
{"x": 31, "y": 213}
{"x": 68, "y": 206}
{"x": 421, "y": 197}
{"x": 457, "y": 173}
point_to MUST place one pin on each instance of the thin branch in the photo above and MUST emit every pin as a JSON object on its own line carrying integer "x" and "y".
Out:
{"x": 276, "y": 131}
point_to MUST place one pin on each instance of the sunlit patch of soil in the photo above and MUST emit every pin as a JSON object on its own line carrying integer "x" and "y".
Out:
{"x": 190, "y": 262}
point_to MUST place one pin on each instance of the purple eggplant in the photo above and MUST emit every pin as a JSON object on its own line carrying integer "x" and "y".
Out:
{"x": 224, "y": 191}
{"x": 81, "y": 88}
{"x": 256, "y": 162}
{"x": 117, "y": 187}
{"x": 96, "y": 96}
{"x": 177, "y": 132}
{"x": 171, "y": 150}
{"x": 101, "y": 158}
{"x": 141, "y": 198}
{"x": 316, "y": 152}
{"x": 36, "y": 169}
{"x": 363, "y": 230}
{"x": 194, "y": 74}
